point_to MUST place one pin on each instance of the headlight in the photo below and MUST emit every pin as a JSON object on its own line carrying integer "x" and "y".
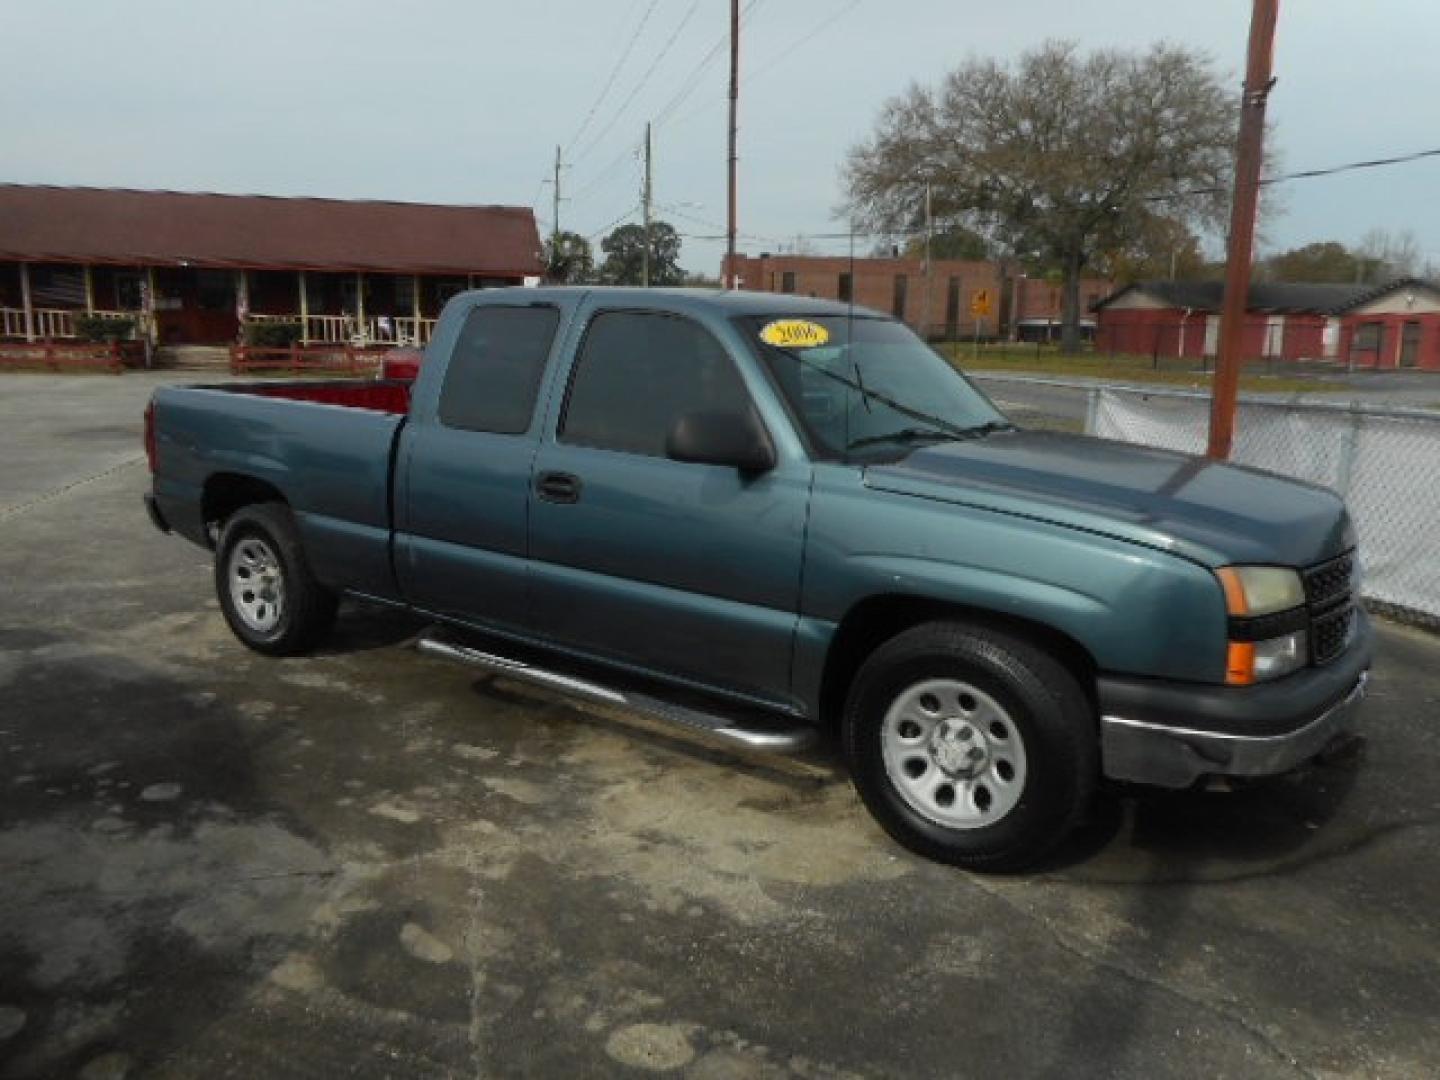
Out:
{"x": 1260, "y": 590}
{"x": 1268, "y": 600}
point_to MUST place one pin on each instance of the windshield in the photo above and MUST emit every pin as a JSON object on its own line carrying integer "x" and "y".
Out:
{"x": 867, "y": 387}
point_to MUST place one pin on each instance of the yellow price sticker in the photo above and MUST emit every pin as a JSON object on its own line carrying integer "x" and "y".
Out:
{"x": 794, "y": 334}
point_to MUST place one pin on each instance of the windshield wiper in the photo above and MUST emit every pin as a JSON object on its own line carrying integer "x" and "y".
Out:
{"x": 989, "y": 428}
{"x": 916, "y": 434}
{"x": 904, "y": 435}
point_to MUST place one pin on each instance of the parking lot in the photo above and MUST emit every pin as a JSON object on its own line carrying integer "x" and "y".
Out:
{"x": 371, "y": 863}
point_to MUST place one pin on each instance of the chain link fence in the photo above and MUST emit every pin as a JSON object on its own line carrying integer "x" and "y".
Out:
{"x": 1384, "y": 461}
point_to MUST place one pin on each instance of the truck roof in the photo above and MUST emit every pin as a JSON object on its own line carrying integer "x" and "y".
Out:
{"x": 731, "y": 302}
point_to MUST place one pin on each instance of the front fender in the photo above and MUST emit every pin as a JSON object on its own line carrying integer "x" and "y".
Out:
{"x": 1133, "y": 609}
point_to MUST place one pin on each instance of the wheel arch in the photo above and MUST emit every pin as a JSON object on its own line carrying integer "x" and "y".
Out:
{"x": 227, "y": 492}
{"x": 874, "y": 620}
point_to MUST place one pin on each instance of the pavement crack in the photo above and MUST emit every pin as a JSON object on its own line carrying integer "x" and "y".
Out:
{"x": 1140, "y": 978}
{"x": 16, "y": 509}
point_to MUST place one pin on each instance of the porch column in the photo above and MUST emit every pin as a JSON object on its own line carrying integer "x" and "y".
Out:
{"x": 25, "y": 301}
{"x": 242, "y": 296}
{"x": 304, "y": 309}
{"x": 89, "y": 291}
{"x": 415, "y": 308}
{"x": 152, "y": 331}
{"x": 360, "y": 307}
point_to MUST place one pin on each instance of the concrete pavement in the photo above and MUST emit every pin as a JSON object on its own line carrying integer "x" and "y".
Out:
{"x": 369, "y": 863}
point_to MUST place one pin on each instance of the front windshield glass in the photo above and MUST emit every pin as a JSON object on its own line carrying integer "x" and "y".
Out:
{"x": 867, "y": 387}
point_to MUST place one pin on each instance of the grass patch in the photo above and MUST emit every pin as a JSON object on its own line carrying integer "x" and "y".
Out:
{"x": 1051, "y": 363}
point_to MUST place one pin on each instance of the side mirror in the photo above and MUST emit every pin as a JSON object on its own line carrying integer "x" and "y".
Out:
{"x": 736, "y": 439}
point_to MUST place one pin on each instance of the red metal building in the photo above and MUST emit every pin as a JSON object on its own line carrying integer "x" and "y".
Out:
{"x": 193, "y": 268}
{"x": 1396, "y": 324}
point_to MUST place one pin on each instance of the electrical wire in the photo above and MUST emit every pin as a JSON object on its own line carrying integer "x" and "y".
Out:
{"x": 618, "y": 221}
{"x": 780, "y": 57}
{"x": 698, "y": 72}
{"x": 1306, "y": 174}
{"x": 614, "y": 71}
{"x": 644, "y": 80}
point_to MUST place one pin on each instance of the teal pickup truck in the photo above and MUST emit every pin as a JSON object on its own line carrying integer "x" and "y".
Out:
{"x": 765, "y": 516}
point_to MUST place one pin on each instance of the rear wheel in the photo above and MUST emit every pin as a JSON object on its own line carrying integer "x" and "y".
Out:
{"x": 266, "y": 590}
{"x": 971, "y": 746}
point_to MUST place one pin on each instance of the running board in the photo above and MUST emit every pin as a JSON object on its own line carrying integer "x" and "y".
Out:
{"x": 776, "y": 740}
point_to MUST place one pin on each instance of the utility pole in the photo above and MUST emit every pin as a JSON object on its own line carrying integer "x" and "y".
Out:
{"x": 1249, "y": 154}
{"x": 645, "y": 202}
{"x": 555, "y": 218}
{"x": 929, "y": 278}
{"x": 734, "y": 104}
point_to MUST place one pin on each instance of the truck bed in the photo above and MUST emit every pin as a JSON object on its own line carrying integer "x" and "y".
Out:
{"x": 324, "y": 447}
{"x": 391, "y": 396}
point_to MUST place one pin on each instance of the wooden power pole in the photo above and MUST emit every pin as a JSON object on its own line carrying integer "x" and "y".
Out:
{"x": 645, "y": 203}
{"x": 734, "y": 104}
{"x": 555, "y": 219}
{"x": 1249, "y": 154}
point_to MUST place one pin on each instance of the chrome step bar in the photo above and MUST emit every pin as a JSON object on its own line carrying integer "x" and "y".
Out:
{"x": 778, "y": 740}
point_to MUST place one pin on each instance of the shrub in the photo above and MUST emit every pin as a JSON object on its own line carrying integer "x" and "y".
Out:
{"x": 96, "y": 328}
{"x": 272, "y": 335}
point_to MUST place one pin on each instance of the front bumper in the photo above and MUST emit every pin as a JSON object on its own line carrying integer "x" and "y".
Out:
{"x": 1171, "y": 735}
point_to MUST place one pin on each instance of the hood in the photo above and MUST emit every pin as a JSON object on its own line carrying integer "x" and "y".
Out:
{"x": 1207, "y": 511}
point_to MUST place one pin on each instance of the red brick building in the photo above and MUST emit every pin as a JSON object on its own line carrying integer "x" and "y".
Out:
{"x": 193, "y": 268}
{"x": 1381, "y": 326}
{"x": 937, "y": 304}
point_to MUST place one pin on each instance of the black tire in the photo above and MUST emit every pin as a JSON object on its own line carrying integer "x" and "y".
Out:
{"x": 1058, "y": 752}
{"x": 306, "y": 609}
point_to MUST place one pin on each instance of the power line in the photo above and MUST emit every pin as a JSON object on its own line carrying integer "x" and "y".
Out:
{"x": 630, "y": 152}
{"x": 698, "y": 72}
{"x": 614, "y": 71}
{"x": 1306, "y": 174}
{"x": 619, "y": 220}
{"x": 782, "y": 55}
{"x": 644, "y": 79}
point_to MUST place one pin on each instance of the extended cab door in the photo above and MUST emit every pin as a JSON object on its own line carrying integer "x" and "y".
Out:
{"x": 683, "y": 569}
{"x": 463, "y": 474}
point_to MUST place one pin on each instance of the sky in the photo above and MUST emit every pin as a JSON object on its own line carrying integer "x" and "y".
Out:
{"x": 466, "y": 100}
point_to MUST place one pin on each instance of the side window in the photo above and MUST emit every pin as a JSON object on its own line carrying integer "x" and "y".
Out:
{"x": 637, "y": 372}
{"x": 495, "y": 371}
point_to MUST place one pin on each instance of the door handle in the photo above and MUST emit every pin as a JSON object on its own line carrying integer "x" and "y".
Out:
{"x": 558, "y": 487}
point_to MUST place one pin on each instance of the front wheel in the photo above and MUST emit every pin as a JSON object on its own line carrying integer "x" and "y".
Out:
{"x": 266, "y": 590}
{"x": 971, "y": 746}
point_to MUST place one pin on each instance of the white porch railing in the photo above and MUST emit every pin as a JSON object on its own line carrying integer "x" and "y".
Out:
{"x": 49, "y": 323}
{"x": 344, "y": 330}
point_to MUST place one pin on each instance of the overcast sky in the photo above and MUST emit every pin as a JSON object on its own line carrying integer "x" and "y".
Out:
{"x": 465, "y": 100}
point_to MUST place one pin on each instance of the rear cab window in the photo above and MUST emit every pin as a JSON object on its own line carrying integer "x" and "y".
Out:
{"x": 495, "y": 371}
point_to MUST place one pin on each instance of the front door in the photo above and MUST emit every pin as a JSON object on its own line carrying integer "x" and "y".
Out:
{"x": 1410, "y": 345}
{"x": 677, "y": 568}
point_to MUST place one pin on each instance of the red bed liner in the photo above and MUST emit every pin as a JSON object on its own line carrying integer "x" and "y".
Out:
{"x": 388, "y": 396}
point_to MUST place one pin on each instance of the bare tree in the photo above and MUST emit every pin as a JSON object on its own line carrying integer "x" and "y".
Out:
{"x": 1382, "y": 255}
{"x": 1058, "y": 157}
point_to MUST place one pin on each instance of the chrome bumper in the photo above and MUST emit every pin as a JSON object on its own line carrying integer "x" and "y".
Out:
{"x": 1149, "y": 753}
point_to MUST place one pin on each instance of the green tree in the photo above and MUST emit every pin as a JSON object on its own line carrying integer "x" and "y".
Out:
{"x": 1326, "y": 261}
{"x": 569, "y": 259}
{"x": 1164, "y": 249}
{"x": 955, "y": 241}
{"x": 1057, "y": 157}
{"x": 625, "y": 252}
